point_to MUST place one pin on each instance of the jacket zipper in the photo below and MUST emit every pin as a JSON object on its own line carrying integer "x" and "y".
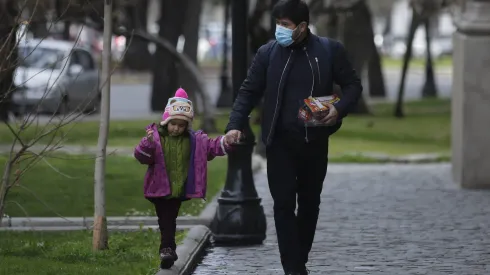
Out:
{"x": 318, "y": 68}
{"x": 278, "y": 91}
{"x": 312, "y": 72}
{"x": 312, "y": 88}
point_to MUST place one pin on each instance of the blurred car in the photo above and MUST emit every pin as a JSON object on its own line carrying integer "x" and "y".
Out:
{"x": 118, "y": 46}
{"x": 55, "y": 77}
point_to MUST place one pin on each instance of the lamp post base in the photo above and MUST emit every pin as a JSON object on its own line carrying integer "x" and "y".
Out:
{"x": 239, "y": 222}
{"x": 240, "y": 218}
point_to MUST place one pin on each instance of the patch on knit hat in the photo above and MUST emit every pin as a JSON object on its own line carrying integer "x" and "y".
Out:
{"x": 178, "y": 107}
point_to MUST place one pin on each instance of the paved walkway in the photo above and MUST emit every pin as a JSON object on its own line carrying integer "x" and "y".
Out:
{"x": 380, "y": 219}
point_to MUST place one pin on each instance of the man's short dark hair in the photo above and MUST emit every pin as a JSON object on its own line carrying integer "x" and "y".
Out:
{"x": 294, "y": 10}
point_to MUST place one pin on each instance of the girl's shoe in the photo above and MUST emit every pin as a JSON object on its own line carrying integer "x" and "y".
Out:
{"x": 167, "y": 258}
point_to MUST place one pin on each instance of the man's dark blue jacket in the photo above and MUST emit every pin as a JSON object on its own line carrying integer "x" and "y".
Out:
{"x": 324, "y": 64}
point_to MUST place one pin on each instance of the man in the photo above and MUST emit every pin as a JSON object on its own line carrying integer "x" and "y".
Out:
{"x": 286, "y": 71}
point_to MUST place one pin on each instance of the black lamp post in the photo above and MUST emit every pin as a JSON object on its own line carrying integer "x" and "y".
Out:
{"x": 273, "y": 21}
{"x": 240, "y": 218}
{"x": 225, "y": 96}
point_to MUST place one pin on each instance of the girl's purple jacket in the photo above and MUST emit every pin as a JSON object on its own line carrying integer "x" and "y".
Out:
{"x": 203, "y": 149}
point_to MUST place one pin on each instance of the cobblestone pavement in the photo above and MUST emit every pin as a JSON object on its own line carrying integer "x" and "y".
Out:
{"x": 380, "y": 219}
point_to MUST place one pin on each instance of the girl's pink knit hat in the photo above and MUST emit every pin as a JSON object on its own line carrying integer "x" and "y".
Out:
{"x": 178, "y": 107}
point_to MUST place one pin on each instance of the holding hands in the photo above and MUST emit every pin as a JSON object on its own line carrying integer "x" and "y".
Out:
{"x": 232, "y": 137}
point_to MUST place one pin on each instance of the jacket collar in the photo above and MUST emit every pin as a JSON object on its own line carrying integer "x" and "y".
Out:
{"x": 305, "y": 42}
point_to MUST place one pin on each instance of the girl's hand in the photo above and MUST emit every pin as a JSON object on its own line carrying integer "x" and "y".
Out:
{"x": 149, "y": 134}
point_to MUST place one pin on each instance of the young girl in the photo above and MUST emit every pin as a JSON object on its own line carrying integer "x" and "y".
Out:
{"x": 177, "y": 167}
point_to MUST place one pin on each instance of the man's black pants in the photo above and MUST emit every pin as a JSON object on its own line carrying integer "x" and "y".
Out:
{"x": 296, "y": 171}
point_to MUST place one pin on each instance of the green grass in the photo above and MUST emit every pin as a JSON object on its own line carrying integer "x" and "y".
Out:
{"x": 387, "y": 62}
{"x": 121, "y": 133}
{"x": 425, "y": 129}
{"x": 70, "y": 253}
{"x": 443, "y": 62}
{"x": 43, "y": 192}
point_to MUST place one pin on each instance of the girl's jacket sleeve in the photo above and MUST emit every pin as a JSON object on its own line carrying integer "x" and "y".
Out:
{"x": 216, "y": 147}
{"x": 145, "y": 151}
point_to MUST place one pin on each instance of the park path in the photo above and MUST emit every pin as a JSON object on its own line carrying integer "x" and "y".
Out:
{"x": 379, "y": 219}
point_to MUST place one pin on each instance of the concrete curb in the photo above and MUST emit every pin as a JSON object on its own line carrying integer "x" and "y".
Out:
{"x": 207, "y": 214}
{"x": 86, "y": 222}
{"x": 259, "y": 163}
{"x": 189, "y": 251}
{"x": 407, "y": 159}
{"x": 122, "y": 228}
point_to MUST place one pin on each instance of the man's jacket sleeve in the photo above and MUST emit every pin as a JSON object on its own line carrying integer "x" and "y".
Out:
{"x": 251, "y": 90}
{"x": 346, "y": 77}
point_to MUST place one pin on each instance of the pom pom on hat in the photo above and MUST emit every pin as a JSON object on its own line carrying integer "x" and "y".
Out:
{"x": 181, "y": 93}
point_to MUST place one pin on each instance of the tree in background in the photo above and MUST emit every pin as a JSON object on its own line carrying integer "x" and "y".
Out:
{"x": 349, "y": 21}
{"x": 33, "y": 141}
{"x": 165, "y": 78}
{"x": 9, "y": 16}
{"x": 422, "y": 13}
{"x": 138, "y": 56}
{"x": 175, "y": 21}
{"x": 376, "y": 82}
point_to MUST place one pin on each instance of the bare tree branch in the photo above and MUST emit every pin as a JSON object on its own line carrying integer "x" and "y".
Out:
{"x": 54, "y": 132}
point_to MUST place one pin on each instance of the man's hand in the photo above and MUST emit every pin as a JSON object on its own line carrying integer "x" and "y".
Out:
{"x": 331, "y": 118}
{"x": 149, "y": 135}
{"x": 232, "y": 137}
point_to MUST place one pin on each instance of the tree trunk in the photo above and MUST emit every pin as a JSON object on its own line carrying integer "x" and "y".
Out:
{"x": 66, "y": 30}
{"x": 39, "y": 30}
{"x": 358, "y": 37}
{"x": 137, "y": 57}
{"x": 164, "y": 71}
{"x": 191, "y": 34}
{"x": 100, "y": 234}
{"x": 387, "y": 28}
{"x": 8, "y": 57}
{"x": 332, "y": 25}
{"x": 375, "y": 74}
{"x": 225, "y": 99}
{"x": 430, "y": 87}
{"x": 272, "y": 30}
{"x": 3, "y": 196}
{"x": 406, "y": 60}
{"x": 4, "y": 188}
{"x": 258, "y": 34}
